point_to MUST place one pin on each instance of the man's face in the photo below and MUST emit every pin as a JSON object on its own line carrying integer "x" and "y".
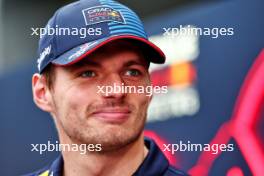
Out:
{"x": 87, "y": 115}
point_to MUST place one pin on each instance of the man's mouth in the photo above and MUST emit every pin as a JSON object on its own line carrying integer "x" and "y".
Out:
{"x": 112, "y": 115}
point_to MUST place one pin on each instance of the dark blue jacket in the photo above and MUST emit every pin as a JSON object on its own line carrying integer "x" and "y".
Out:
{"x": 155, "y": 164}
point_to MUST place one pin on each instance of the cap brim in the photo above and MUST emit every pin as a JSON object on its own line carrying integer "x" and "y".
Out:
{"x": 154, "y": 53}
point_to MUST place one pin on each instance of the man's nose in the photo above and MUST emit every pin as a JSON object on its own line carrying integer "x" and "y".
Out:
{"x": 114, "y": 86}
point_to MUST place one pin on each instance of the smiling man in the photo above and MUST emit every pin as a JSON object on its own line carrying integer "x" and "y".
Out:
{"x": 72, "y": 67}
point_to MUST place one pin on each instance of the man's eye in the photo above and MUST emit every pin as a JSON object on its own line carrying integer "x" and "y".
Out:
{"x": 132, "y": 72}
{"x": 88, "y": 74}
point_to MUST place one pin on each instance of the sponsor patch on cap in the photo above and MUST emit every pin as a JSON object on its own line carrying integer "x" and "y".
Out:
{"x": 82, "y": 49}
{"x": 46, "y": 51}
{"x": 103, "y": 13}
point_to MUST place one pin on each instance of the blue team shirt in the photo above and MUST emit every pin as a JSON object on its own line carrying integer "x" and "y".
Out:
{"x": 155, "y": 164}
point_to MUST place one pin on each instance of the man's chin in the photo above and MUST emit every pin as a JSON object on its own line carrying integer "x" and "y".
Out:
{"x": 118, "y": 143}
{"x": 113, "y": 137}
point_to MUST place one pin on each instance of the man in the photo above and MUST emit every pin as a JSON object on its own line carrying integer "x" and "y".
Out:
{"x": 70, "y": 85}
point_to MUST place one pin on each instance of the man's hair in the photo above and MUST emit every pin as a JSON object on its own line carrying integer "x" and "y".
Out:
{"x": 49, "y": 75}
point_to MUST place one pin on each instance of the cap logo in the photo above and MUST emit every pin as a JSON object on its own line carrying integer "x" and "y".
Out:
{"x": 104, "y": 13}
{"x": 42, "y": 56}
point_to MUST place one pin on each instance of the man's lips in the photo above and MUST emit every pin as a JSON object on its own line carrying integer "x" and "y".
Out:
{"x": 112, "y": 114}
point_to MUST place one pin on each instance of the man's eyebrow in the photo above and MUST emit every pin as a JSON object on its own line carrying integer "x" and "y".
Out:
{"x": 98, "y": 65}
{"x": 133, "y": 62}
{"x": 86, "y": 63}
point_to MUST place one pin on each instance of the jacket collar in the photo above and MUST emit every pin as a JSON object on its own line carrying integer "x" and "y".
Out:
{"x": 154, "y": 164}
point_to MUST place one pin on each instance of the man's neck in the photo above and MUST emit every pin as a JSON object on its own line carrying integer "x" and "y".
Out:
{"x": 122, "y": 162}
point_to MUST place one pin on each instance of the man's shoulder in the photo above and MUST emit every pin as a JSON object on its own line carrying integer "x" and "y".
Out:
{"x": 171, "y": 171}
{"x": 41, "y": 172}
{"x": 54, "y": 168}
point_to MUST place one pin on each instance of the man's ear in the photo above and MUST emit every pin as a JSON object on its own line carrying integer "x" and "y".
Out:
{"x": 41, "y": 93}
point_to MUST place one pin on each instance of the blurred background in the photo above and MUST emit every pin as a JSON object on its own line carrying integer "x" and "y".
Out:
{"x": 205, "y": 75}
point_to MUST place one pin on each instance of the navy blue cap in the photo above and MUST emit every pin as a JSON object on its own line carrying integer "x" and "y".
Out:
{"x": 79, "y": 28}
